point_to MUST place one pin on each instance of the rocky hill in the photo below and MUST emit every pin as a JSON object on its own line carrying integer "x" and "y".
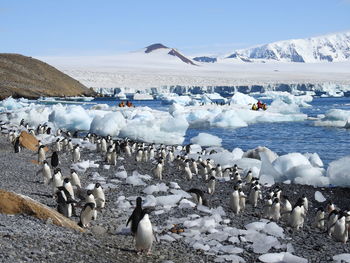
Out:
{"x": 22, "y": 76}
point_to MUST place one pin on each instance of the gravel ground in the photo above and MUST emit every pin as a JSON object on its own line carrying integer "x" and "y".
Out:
{"x": 27, "y": 239}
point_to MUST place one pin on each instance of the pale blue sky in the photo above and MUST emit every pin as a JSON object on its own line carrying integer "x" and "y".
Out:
{"x": 92, "y": 27}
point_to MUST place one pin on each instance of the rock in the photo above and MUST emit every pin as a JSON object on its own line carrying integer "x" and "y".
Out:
{"x": 12, "y": 203}
{"x": 98, "y": 230}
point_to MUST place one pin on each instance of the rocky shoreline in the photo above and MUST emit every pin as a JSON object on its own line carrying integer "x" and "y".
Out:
{"x": 27, "y": 239}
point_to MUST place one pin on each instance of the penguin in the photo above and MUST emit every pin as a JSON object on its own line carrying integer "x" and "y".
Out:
{"x": 41, "y": 154}
{"x": 138, "y": 156}
{"x": 170, "y": 156}
{"x": 203, "y": 171}
{"x": 234, "y": 201}
{"x": 56, "y": 180}
{"x": 58, "y": 146}
{"x": 70, "y": 146}
{"x": 286, "y": 208}
{"x": 227, "y": 172}
{"x": 332, "y": 219}
{"x": 218, "y": 170}
{"x": 198, "y": 196}
{"x": 58, "y": 132}
{"x": 249, "y": 177}
{"x": 144, "y": 234}
{"x": 103, "y": 145}
{"x": 135, "y": 216}
{"x": 17, "y": 145}
{"x": 297, "y": 215}
{"x": 254, "y": 196}
{"x": 48, "y": 130}
{"x": 127, "y": 150}
{"x": 275, "y": 211}
{"x": 151, "y": 153}
{"x": 74, "y": 178}
{"x": 76, "y": 154}
{"x": 236, "y": 177}
{"x": 114, "y": 157}
{"x": 213, "y": 172}
{"x": 306, "y": 203}
{"x": 319, "y": 219}
{"x": 109, "y": 155}
{"x": 158, "y": 170}
{"x": 90, "y": 198}
{"x": 194, "y": 167}
{"x": 87, "y": 214}
{"x": 98, "y": 145}
{"x": 46, "y": 171}
{"x": 54, "y": 160}
{"x": 64, "y": 201}
{"x": 68, "y": 186}
{"x": 211, "y": 185}
{"x": 145, "y": 155}
{"x": 209, "y": 165}
{"x": 242, "y": 199}
{"x": 99, "y": 196}
{"x": 340, "y": 228}
{"x": 330, "y": 207}
{"x": 278, "y": 191}
{"x": 267, "y": 207}
{"x": 187, "y": 170}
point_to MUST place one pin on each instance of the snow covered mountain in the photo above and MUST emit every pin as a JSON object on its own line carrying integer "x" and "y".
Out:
{"x": 331, "y": 48}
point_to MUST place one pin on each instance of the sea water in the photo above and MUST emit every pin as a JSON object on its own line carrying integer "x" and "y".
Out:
{"x": 282, "y": 137}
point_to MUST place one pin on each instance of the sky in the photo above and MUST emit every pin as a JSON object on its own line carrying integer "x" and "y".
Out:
{"x": 106, "y": 27}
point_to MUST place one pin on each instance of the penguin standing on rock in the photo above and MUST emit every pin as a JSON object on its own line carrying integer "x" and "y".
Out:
{"x": 340, "y": 228}
{"x": 158, "y": 170}
{"x": 139, "y": 155}
{"x": 74, "y": 178}
{"x": 46, "y": 171}
{"x": 187, "y": 169}
{"x": 135, "y": 216}
{"x": 286, "y": 208}
{"x": 242, "y": 199}
{"x": 234, "y": 201}
{"x": 211, "y": 185}
{"x": 41, "y": 154}
{"x": 87, "y": 214}
{"x": 99, "y": 196}
{"x": 275, "y": 211}
{"x": 56, "y": 180}
{"x": 64, "y": 201}
{"x": 90, "y": 198}
{"x": 297, "y": 215}
{"x": 254, "y": 196}
{"x": 17, "y": 145}
{"x": 319, "y": 219}
{"x": 267, "y": 207}
{"x": 76, "y": 154}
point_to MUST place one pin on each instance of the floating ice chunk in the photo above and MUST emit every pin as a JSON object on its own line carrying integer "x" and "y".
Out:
{"x": 319, "y": 197}
{"x": 314, "y": 159}
{"x": 228, "y": 119}
{"x": 168, "y": 200}
{"x": 205, "y": 139}
{"x": 267, "y": 180}
{"x": 175, "y": 109}
{"x": 342, "y": 258}
{"x": 242, "y": 99}
{"x": 109, "y": 124}
{"x": 121, "y": 175}
{"x": 237, "y": 153}
{"x": 155, "y": 188}
{"x": 338, "y": 172}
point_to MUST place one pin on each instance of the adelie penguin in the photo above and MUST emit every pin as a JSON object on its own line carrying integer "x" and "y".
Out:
{"x": 144, "y": 235}
{"x": 198, "y": 196}
{"x": 319, "y": 219}
{"x": 211, "y": 185}
{"x": 17, "y": 145}
{"x": 41, "y": 154}
{"x": 46, "y": 171}
{"x": 340, "y": 228}
{"x": 87, "y": 214}
{"x": 135, "y": 216}
{"x": 99, "y": 196}
{"x": 74, "y": 178}
{"x": 187, "y": 170}
{"x": 76, "y": 154}
{"x": 56, "y": 180}
{"x": 64, "y": 201}
{"x": 234, "y": 201}
{"x": 54, "y": 160}
{"x": 90, "y": 198}
{"x": 158, "y": 170}
{"x": 297, "y": 215}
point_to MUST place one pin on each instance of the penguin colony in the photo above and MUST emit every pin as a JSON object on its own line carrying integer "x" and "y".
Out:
{"x": 70, "y": 195}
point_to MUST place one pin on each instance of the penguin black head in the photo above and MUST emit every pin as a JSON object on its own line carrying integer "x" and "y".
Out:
{"x": 235, "y": 187}
{"x": 45, "y": 162}
{"x": 321, "y": 209}
{"x": 89, "y": 192}
{"x": 91, "y": 205}
{"x": 239, "y": 181}
{"x": 138, "y": 201}
{"x": 66, "y": 180}
{"x": 212, "y": 178}
{"x": 268, "y": 197}
{"x": 276, "y": 200}
{"x": 57, "y": 170}
{"x": 72, "y": 171}
{"x": 256, "y": 188}
{"x": 58, "y": 139}
{"x": 235, "y": 166}
{"x": 97, "y": 185}
{"x": 187, "y": 160}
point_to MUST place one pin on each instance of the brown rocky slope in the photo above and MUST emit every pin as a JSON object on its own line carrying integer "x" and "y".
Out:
{"x": 22, "y": 76}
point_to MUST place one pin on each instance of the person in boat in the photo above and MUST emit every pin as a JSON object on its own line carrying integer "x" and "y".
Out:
{"x": 254, "y": 107}
{"x": 259, "y": 104}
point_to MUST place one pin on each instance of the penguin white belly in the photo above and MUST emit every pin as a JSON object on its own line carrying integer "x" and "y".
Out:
{"x": 144, "y": 235}
{"x": 188, "y": 173}
{"x": 340, "y": 232}
{"x": 47, "y": 174}
{"x": 242, "y": 200}
{"x": 234, "y": 203}
{"x": 41, "y": 156}
{"x": 275, "y": 212}
{"x": 75, "y": 180}
{"x": 99, "y": 197}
